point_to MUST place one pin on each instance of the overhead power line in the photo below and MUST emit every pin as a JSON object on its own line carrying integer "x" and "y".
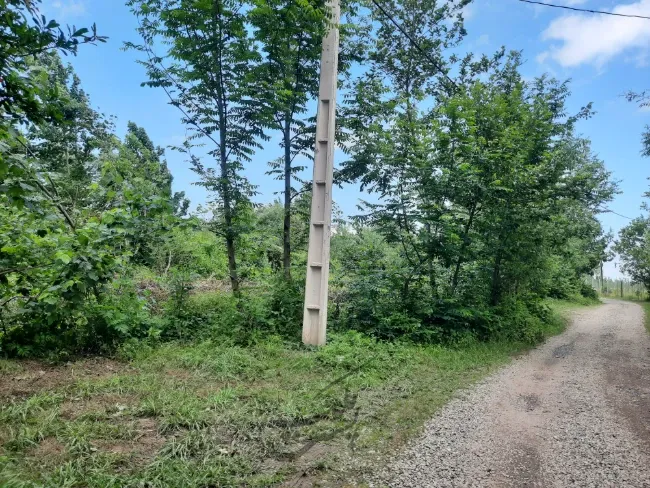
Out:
{"x": 607, "y": 210}
{"x": 435, "y": 64}
{"x": 586, "y": 10}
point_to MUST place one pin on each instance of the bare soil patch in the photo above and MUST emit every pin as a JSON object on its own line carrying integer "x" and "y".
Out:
{"x": 108, "y": 404}
{"x": 49, "y": 452}
{"x": 36, "y": 376}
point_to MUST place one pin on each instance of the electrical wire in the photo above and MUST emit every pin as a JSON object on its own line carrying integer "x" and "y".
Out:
{"x": 585, "y": 10}
{"x": 616, "y": 213}
{"x": 435, "y": 64}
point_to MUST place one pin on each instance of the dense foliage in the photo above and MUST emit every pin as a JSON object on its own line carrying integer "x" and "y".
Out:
{"x": 484, "y": 200}
{"x": 633, "y": 247}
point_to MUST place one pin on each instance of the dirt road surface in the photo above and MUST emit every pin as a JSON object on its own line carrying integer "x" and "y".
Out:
{"x": 574, "y": 412}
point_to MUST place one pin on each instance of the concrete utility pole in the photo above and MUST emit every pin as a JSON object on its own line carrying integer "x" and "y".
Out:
{"x": 602, "y": 281}
{"x": 314, "y": 321}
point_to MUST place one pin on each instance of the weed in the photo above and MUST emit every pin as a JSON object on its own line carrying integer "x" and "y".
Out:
{"x": 214, "y": 414}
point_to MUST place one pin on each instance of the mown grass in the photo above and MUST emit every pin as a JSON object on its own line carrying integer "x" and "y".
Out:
{"x": 564, "y": 307}
{"x": 213, "y": 415}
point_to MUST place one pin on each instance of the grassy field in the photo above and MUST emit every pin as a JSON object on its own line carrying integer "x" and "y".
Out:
{"x": 212, "y": 415}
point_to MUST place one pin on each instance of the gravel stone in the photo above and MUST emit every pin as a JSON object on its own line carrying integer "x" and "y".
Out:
{"x": 573, "y": 412}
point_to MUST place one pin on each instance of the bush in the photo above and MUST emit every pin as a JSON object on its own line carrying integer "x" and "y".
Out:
{"x": 195, "y": 251}
{"x": 122, "y": 314}
{"x": 451, "y": 322}
{"x": 525, "y": 321}
{"x": 285, "y": 307}
{"x": 587, "y": 291}
{"x": 202, "y": 316}
{"x": 272, "y": 309}
{"x": 97, "y": 325}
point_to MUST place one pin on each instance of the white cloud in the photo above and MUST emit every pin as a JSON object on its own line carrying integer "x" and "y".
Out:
{"x": 66, "y": 9}
{"x": 596, "y": 39}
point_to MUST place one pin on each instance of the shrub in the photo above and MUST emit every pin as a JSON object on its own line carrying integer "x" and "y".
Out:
{"x": 285, "y": 307}
{"x": 525, "y": 321}
{"x": 195, "y": 251}
{"x": 122, "y": 314}
{"x": 588, "y": 291}
{"x": 97, "y": 325}
{"x": 201, "y": 316}
{"x": 272, "y": 309}
{"x": 451, "y": 322}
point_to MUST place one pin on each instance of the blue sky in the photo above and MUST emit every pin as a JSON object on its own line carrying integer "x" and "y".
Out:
{"x": 604, "y": 56}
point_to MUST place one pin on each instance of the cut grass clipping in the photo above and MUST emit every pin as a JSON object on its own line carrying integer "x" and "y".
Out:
{"x": 212, "y": 415}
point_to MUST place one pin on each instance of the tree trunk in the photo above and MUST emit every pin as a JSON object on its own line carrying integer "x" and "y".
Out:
{"x": 602, "y": 281}
{"x": 454, "y": 281}
{"x": 227, "y": 210}
{"x": 286, "y": 232}
{"x": 230, "y": 243}
{"x": 430, "y": 257}
{"x": 220, "y": 94}
{"x": 495, "y": 294}
{"x": 169, "y": 263}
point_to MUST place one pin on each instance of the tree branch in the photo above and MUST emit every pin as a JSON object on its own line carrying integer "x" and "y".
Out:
{"x": 45, "y": 191}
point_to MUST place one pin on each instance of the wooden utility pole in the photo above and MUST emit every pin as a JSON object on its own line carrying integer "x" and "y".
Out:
{"x": 314, "y": 321}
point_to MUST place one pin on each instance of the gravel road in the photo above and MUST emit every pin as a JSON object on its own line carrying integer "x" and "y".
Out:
{"x": 573, "y": 412}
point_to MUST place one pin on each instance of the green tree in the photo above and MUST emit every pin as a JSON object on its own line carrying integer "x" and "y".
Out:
{"x": 207, "y": 72}
{"x": 290, "y": 34}
{"x": 487, "y": 194}
{"x": 391, "y": 129}
{"x": 133, "y": 178}
{"x": 25, "y": 33}
{"x": 61, "y": 254}
{"x": 633, "y": 248}
{"x": 633, "y": 245}
{"x": 643, "y": 101}
{"x": 66, "y": 147}
{"x": 151, "y": 166}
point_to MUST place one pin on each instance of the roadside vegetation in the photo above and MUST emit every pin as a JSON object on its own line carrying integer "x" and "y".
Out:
{"x": 212, "y": 414}
{"x": 148, "y": 344}
{"x": 646, "y": 311}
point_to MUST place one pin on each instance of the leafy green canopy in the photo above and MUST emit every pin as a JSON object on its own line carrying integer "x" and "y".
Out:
{"x": 76, "y": 204}
{"x": 207, "y": 70}
{"x": 486, "y": 203}
{"x": 633, "y": 248}
{"x": 290, "y": 35}
{"x": 487, "y": 196}
{"x": 26, "y": 33}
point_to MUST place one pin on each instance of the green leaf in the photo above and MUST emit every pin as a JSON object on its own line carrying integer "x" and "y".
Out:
{"x": 63, "y": 257}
